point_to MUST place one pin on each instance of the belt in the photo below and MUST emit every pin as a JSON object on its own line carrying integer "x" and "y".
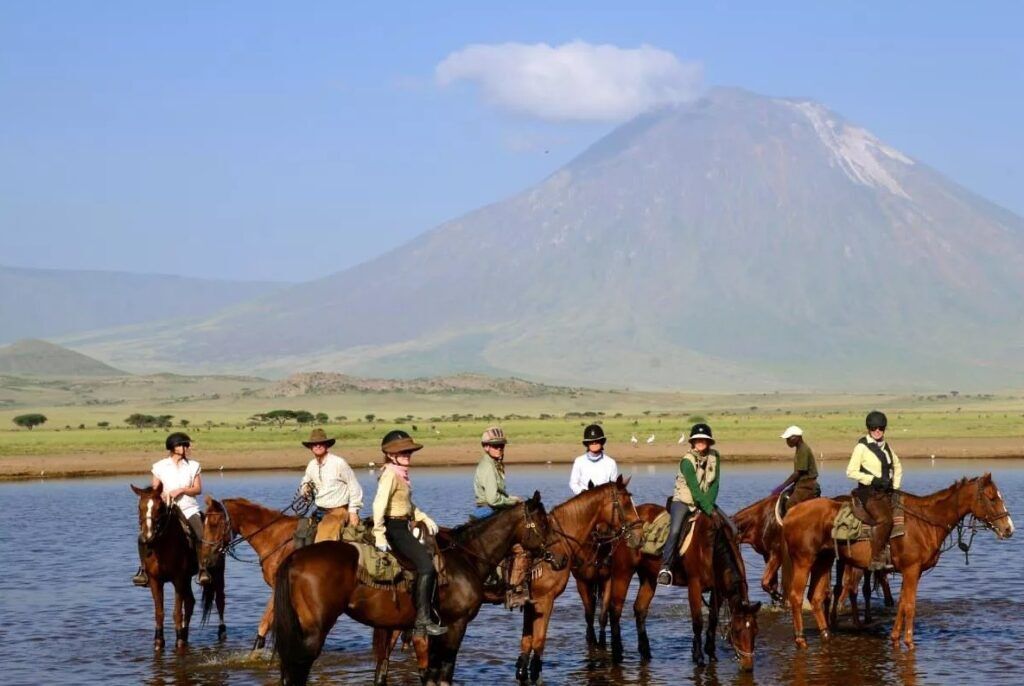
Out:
{"x": 332, "y": 509}
{"x": 398, "y": 519}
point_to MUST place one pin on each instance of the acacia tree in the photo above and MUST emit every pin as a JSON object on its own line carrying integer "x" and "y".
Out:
{"x": 30, "y": 421}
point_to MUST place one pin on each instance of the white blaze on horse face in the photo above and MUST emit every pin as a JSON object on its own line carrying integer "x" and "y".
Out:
{"x": 147, "y": 531}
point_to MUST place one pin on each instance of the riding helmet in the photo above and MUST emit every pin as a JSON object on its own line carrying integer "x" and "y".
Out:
{"x": 177, "y": 438}
{"x": 592, "y": 433}
{"x": 876, "y": 420}
{"x": 701, "y": 431}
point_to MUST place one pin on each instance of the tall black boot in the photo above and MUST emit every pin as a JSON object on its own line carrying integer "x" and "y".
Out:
{"x": 680, "y": 515}
{"x": 424, "y": 594}
{"x": 141, "y": 578}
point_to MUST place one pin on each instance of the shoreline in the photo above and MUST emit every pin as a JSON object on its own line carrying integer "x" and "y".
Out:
{"x": 87, "y": 465}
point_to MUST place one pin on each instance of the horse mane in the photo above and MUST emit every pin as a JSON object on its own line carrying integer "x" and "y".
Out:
{"x": 260, "y": 511}
{"x": 962, "y": 482}
{"x": 473, "y": 527}
{"x": 574, "y": 507}
{"x": 725, "y": 546}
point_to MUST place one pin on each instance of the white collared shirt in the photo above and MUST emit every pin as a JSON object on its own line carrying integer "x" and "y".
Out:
{"x": 180, "y": 475}
{"x": 335, "y": 482}
{"x": 585, "y": 470}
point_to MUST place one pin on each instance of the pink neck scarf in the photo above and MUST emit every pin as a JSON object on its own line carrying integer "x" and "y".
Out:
{"x": 398, "y": 470}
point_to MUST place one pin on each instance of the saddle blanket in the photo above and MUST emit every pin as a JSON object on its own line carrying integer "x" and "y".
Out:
{"x": 655, "y": 534}
{"x": 847, "y": 527}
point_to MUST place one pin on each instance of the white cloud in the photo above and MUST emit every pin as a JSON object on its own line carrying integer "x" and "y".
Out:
{"x": 574, "y": 81}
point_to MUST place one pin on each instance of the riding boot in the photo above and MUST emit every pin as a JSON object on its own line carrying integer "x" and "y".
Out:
{"x": 518, "y": 593}
{"x": 195, "y": 522}
{"x": 141, "y": 578}
{"x": 680, "y": 513}
{"x": 879, "y": 508}
{"x": 424, "y": 594}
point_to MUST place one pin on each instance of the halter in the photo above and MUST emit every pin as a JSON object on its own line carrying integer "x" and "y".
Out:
{"x": 299, "y": 505}
{"x": 617, "y": 534}
{"x": 530, "y": 525}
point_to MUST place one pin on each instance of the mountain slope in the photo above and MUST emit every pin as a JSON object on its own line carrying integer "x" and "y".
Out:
{"x": 738, "y": 242}
{"x": 32, "y": 357}
{"x": 55, "y": 302}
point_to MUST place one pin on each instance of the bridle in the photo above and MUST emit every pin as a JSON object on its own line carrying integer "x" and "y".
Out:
{"x": 530, "y": 525}
{"x": 231, "y": 540}
{"x": 624, "y": 530}
{"x": 161, "y": 521}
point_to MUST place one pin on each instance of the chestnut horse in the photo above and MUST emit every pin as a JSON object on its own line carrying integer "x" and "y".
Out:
{"x": 712, "y": 562}
{"x": 171, "y": 559}
{"x": 318, "y": 583}
{"x": 572, "y": 523}
{"x": 759, "y": 529}
{"x": 269, "y": 532}
{"x": 809, "y": 548}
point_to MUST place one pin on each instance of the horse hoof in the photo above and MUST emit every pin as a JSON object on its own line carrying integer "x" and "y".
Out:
{"x": 158, "y": 646}
{"x": 801, "y": 642}
{"x": 222, "y": 632}
{"x": 825, "y": 635}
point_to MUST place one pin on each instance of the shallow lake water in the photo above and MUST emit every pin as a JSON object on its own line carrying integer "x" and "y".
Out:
{"x": 69, "y": 614}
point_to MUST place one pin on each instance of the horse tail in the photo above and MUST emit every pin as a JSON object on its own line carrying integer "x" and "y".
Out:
{"x": 289, "y": 638}
{"x": 209, "y": 595}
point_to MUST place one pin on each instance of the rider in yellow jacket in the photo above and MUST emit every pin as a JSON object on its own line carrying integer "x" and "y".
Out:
{"x": 878, "y": 473}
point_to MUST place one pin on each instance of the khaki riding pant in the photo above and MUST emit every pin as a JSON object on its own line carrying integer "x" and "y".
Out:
{"x": 803, "y": 489}
{"x": 330, "y": 526}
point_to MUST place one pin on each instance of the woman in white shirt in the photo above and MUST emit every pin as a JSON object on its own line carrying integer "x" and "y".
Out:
{"x": 182, "y": 482}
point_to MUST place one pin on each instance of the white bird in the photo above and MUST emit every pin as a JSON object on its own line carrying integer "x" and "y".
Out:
{"x": 222, "y": 468}
{"x": 682, "y": 439}
{"x": 437, "y": 431}
{"x": 633, "y": 439}
{"x": 650, "y": 440}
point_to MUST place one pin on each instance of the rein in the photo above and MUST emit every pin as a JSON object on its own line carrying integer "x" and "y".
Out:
{"x": 973, "y": 525}
{"x": 455, "y": 544}
{"x": 299, "y": 505}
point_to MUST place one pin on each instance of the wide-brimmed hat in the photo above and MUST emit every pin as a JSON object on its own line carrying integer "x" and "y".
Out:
{"x": 318, "y": 436}
{"x": 398, "y": 441}
{"x": 701, "y": 431}
{"x": 593, "y": 433}
{"x": 494, "y": 436}
{"x": 792, "y": 431}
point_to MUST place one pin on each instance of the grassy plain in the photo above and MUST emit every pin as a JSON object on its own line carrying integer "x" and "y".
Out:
{"x": 542, "y": 427}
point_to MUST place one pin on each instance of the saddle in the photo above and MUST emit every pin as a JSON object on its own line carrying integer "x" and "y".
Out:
{"x": 655, "y": 534}
{"x": 852, "y": 522}
{"x": 387, "y": 570}
{"x": 190, "y": 537}
{"x": 305, "y": 532}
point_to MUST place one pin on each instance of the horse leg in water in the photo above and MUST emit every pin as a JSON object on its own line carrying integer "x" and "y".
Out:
{"x": 184, "y": 603}
{"x": 819, "y": 591}
{"x": 644, "y": 596}
{"x": 445, "y": 651}
{"x": 797, "y": 584}
{"x": 218, "y": 580}
{"x": 618, "y": 586}
{"x": 696, "y": 620}
{"x": 882, "y": 578}
{"x": 867, "y": 596}
{"x": 714, "y": 605}
{"x": 156, "y": 589}
{"x": 587, "y": 590}
{"x": 606, "y": 589}
{"x": 905, "y": 611}
{"x": 384, "y": 641}
{"x": 265, "y": 623}
{"x": 535, "y": 629}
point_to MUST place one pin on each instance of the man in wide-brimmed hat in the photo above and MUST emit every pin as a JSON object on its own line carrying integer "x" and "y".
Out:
{"x": 337, "y": 491}
{"x": 594, "y": 466}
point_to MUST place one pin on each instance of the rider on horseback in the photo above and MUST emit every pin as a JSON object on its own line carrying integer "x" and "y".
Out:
{"x": 489, "y": 491}
{"x": 182, "y": 482}
{"x": 393, "y": 511}
{"x": 593, "y": 467}
{"x": 877, "y": 470}
{"x": 338, "y": 493}
{"x": 803, "y": 482}
{"x": 696, "y": 487}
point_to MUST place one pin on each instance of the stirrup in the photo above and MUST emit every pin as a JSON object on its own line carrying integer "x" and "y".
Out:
{"x": 665, "y": 577}
{"x": 429, "y": 629}
{"x": 141, "y": 578}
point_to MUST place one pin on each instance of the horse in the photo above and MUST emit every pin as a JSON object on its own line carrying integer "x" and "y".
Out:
{"x": 269, "y": 532}
{"x": 711, "y": 562}
{"x": 809, "y": 548}
{"x": 592, "y": 574}
{"x": 571, "y": 524}
{"x": 760, "y": 529}
{"x": 171, "y": 560}
{"x": 318, "y": 583}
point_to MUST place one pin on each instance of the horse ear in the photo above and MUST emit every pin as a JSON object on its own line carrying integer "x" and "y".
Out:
{"x": 209, "y": 501}
{"x": 138, "y": 491}
{"x": 618, "y": 480}
{"x": 625, "y": 481}
{"x": 536, "y": 497}
{"x": 590, "y": 484}
{"x": 159, "y": 488}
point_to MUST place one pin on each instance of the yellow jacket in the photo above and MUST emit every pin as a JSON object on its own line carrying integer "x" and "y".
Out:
{"x": 394, "y": 499}
{"x": 864, "y": 465}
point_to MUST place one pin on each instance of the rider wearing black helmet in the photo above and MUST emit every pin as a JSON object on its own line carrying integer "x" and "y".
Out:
{"x": 696, "y": 487}
{"x": 594, "y": 466}
{"x": 181, "y": 481}
{"x": 878, "y": 472}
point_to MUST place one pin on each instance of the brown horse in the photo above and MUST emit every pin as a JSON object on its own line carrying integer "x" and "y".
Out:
{"x": 316, "y": 584}
{"x": 171, "y": 560}
{"x": 759, "y": 528}
{"x": 269, "y": 532}
{"x": 592, "y": 573}
{"x": 572, "y": 524}
{"x": 712, "y": 562}
{"x": 809, "y": 548}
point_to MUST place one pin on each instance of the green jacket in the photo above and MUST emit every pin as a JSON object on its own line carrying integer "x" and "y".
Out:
{"x": 489, "y": 484}
{"x": 699, "y": 489}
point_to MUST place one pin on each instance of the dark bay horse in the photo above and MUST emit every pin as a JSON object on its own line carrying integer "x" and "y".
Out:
{"x": 848, "y": 578}
{"x": 572, "y": 523}
{"x": 316, "y": 584}
{"x": 171, "y": 559}
{"x": 592, "y": 572}
{"x": 711, "y": 563}
{"x": 269, "y": 532}
{"x": 809, "y": 548}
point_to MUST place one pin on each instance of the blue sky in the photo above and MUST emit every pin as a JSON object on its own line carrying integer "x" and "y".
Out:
{"x": 258, "y": 141}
